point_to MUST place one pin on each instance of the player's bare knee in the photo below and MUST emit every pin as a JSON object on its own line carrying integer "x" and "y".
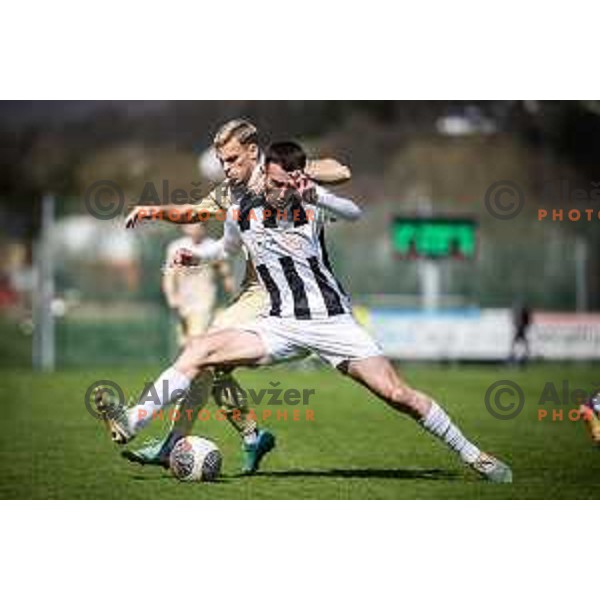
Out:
{"x": 186, "y": 368}
{"x": 193, "y": 357}
{"x": 205, "y": 349}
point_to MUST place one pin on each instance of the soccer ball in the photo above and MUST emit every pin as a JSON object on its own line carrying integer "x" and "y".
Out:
{"x": 195, "y": 459}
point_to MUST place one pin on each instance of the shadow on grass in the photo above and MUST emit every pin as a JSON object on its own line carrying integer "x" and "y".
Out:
{"x": 426, "y": 474}
{"x": 429, "y": 474}
{"x": 166, "y": 475}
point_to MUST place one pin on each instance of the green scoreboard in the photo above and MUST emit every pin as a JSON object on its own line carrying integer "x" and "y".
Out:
{"x": 435, "y": 237}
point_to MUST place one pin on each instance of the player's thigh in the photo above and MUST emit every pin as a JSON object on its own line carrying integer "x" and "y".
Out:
{"x": 224, "y": 347}
{"x": 237, "y": 347}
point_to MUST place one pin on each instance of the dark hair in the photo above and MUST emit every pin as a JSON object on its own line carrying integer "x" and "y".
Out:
{"x": 288, "y": 155}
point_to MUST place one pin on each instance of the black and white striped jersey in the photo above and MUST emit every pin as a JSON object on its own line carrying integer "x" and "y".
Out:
{"x": 289, "y": 253}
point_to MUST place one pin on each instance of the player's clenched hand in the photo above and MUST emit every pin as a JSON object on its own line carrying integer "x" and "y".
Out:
{"x": 184, "y": 258}
{"x": 305, "y": 186}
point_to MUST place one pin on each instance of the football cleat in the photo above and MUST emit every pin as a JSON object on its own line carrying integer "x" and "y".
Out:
{"x": 591, "y": 422}
{"x": 155, "y": 452}
{"x": 492, "y": 469}
{"x": 254, "y": 453}
{"x": 114, "y": 414}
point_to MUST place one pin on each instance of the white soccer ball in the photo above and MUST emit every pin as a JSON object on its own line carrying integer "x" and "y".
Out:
{"x": 195, "y": 459}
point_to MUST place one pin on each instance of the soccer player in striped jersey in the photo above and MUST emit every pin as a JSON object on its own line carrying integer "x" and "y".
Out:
{"x": 236, "y": 145}
{"x": 308, "y": 311}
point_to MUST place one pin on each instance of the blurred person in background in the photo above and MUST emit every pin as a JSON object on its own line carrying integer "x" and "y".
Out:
{"x": 519, "y": 353}
{"x": 192, "y": 293}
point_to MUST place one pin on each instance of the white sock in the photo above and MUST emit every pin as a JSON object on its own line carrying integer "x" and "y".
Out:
{"x": 595, "y": 403}
{"x": 167, "y": 389}
{"x": 250, "y": 438}
{"x": 439, "y": 424}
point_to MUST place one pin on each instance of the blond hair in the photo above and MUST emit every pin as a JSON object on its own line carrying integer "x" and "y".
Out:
{"x": 240, "y": 129}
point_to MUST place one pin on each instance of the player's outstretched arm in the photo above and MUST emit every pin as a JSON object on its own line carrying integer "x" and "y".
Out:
{"x": 336, "y": 206}
{"x": 171, "y": 213}
{"x": 178, "y": 214}
{"x": 342, "y": 208}
{"x": 327, "y": 170}
{"x": 224, "y": 248}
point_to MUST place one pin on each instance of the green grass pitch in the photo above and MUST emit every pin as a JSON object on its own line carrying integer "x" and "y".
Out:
{"x": 356, "y": 447}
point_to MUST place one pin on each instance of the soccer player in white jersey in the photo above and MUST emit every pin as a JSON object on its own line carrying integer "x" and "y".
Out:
{"x": 236, "y": 145}
{"x": 308, "y": 310}
{"x": 192, "y": 293}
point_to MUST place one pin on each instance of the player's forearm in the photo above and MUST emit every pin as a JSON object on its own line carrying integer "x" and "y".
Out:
{"x": 175, "y": 213}
{"x": 327, "y": 170}
{"x": 214, "y": 253}
{"x": 226, "y": 247}
{"x": 222, "y": 250}
{"x": 171, "y": 213}
{"x": 342, "y": 208}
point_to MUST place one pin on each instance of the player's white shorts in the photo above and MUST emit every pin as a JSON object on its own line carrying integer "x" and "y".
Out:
{"x": 335, "y": 340}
